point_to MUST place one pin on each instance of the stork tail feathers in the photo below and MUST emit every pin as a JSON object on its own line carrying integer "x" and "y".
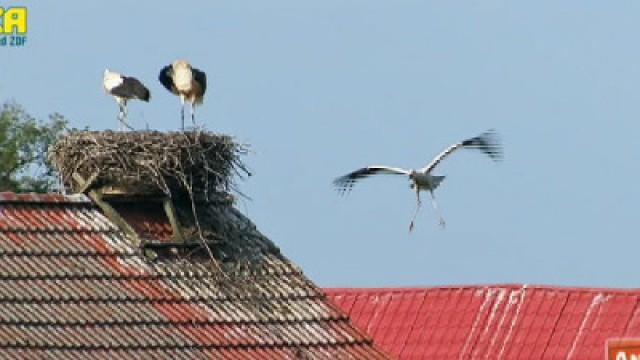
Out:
{"x": 145, "y": 95}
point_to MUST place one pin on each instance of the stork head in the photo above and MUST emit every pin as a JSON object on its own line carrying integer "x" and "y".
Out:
{"x": 109, "y": 73}
{"x": 184, "y": 64}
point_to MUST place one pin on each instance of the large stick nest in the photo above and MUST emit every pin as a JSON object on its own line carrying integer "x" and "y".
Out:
{"x": 196, "y": 163}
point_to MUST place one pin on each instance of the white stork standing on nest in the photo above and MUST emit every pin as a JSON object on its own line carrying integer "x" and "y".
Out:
{"x": 185, "y": 81}
{"x": 423, "y": 179}
{"x": 123, "y": 89}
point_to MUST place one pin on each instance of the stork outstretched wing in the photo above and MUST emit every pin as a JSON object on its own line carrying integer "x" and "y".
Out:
{"x": 345, "y": 183}
{"x": 487, "y": 142}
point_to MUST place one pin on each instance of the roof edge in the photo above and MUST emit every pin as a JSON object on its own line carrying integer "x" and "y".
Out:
{"x": 380, "y": 290}
{"x": 49, "y": 198}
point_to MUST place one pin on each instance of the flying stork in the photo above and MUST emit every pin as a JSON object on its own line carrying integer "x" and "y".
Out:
{"x": 185, "y": 81}
{"x": 123, "y": 89}
{"x": 423, "y": 179}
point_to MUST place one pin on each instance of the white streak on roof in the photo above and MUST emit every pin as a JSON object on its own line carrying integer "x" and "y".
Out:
{"x": 496, "y": 305}
{"x": 521, "y": 294}
{"x": 488, "y": 297}
{"x": 597, "y": 300}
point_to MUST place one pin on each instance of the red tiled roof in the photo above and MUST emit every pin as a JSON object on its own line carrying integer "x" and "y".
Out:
{"x": 493, "y": 322}
{"x": 73, "y": 286}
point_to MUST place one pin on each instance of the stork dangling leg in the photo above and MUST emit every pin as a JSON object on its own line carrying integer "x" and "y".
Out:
{"x": 415, "y": 214}
{"x": 441, "y": 222}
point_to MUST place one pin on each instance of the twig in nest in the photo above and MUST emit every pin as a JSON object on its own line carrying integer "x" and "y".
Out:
{"x": 152, "y": 161}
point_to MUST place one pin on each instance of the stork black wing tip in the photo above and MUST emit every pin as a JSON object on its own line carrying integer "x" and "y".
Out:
{"x": 488, "y": 142}
{"x": 343, "y": 185}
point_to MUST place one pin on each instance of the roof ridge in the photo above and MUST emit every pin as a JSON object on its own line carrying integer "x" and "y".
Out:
{"x": 514, "y": 286}
{"x": 49, "y": 198}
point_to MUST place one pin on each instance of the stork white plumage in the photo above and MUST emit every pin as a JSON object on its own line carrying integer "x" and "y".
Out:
{"x": 123, "y": 89}
{"x": 185, "y": 81}
{"x": 423, "y": 179}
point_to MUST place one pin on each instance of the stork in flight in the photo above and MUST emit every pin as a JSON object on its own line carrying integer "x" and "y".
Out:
{"x": 185, "y": 81}
{"x": 423, "y": 179}
{"x": 123, "y": 89}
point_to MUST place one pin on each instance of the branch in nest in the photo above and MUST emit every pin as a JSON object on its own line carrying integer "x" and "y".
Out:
{"x": 204, "y": 161}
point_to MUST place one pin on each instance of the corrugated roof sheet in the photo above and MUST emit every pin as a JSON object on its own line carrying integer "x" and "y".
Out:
{"x": 493, "y": 322}
{"x": 72, "y": 286}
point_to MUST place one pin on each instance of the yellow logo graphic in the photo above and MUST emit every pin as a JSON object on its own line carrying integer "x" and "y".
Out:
{"x": 14, "y": 20}
{"x": 13, "y": 26}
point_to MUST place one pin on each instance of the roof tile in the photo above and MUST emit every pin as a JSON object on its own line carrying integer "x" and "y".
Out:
{"x": 73, "y": 286}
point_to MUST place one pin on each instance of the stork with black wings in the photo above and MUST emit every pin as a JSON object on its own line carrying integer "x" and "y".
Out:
{"x": 124, "y": 88}
{"x": 423, "y": 179}
{"x": 183, "y": 80}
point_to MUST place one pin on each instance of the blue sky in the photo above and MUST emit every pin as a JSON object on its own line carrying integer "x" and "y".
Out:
{"x": 320, "y": 88}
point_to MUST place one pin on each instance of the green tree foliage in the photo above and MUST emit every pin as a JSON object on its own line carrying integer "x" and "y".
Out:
{"x": 23, "y": 149}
